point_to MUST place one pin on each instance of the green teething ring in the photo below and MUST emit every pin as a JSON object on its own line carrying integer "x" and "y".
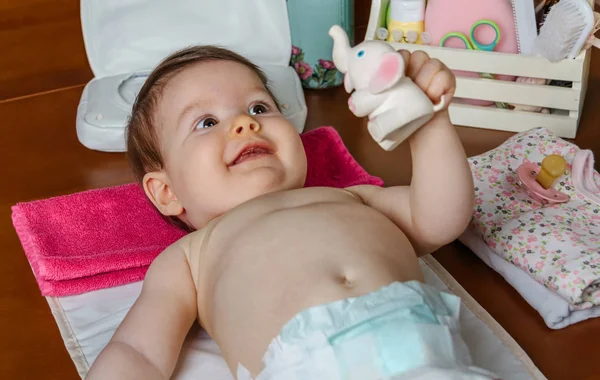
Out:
{"x": 488, "y": 47}
{"x": 388, "y": 14}
{"x": 460, "y": 36}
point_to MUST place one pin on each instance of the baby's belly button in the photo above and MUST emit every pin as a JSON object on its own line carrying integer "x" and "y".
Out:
{"x": 346, "y": 280}
{"x": 351, "y": 278}
{"x": 357, "y": 281}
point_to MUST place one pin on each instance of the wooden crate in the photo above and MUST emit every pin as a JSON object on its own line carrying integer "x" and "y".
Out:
{"x": 566, "y": 103}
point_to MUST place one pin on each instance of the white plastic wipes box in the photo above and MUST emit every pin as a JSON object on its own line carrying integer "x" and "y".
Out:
{"x": 126, "y": 39}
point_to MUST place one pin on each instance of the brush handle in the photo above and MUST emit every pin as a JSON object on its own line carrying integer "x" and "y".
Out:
{"x": 595, "y": 41}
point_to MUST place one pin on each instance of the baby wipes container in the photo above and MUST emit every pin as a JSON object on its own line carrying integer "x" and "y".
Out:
{"x": 126, "y": 39}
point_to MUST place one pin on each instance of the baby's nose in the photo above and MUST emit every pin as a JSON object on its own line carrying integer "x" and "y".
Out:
{"x": 243, "y": 125}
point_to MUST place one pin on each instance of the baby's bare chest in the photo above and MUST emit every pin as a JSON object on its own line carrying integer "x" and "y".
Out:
{"x": 308, "y": 232}
{"x": 295, "y": 228}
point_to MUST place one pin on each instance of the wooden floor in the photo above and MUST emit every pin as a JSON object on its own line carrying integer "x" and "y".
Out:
{"x": 41, "y": 157}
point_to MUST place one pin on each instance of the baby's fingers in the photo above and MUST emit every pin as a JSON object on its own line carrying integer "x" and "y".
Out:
{"x": 427, "y": 72}
{"x": 435, "y": 79}
{"x": 417, "y": 60}
{"x": 405, "y": 54}
{"x": 442, "y": 84}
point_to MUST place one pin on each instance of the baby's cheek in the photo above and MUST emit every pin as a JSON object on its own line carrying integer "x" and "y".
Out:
{"x": 295, "y": 164}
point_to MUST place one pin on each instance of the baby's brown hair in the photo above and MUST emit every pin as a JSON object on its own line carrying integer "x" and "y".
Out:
{"x": 143, "y": 148}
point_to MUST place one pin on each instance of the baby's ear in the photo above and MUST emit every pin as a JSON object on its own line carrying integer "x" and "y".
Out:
{"x": 158, "y": 189}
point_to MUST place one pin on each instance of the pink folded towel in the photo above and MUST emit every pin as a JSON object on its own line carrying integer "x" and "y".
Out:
{"x": 108, "y": 237}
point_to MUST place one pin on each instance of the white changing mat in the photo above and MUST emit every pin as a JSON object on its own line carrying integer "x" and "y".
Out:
{"x": 88, "y": 321}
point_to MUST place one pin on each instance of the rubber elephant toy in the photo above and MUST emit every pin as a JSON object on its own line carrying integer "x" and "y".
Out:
{"x": 374, "y": 70}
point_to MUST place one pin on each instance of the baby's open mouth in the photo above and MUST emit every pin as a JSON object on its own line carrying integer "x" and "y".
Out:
{"x": 251, "y": 152}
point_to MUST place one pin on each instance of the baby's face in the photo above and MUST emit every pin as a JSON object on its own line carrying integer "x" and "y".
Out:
{"x": 224, "y": 141}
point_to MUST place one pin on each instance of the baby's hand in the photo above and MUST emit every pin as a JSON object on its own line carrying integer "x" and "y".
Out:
{"x": 430, "y": 74}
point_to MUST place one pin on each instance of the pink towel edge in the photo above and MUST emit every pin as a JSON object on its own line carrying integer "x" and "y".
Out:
{"x": 27, "y": 238}
{"x": 52, "y": 268}
{"x": 55, "y": 269}
{"x": 101, "y": 281}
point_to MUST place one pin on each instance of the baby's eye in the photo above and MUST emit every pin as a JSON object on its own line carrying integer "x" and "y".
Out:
{"x": 206, "y": 123}
{"x": 258, "y": 109}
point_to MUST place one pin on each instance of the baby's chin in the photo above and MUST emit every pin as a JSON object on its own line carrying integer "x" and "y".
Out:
{"x": 265, "y": 188}
{"x": 261, "y": 183}
{"x": 266, "y": 180}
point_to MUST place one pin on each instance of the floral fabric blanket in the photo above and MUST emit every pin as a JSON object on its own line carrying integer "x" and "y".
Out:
{"x": 558, "y": 245}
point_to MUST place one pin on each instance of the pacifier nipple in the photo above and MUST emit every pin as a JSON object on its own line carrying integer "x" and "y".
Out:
{"x": 552, "y": 168}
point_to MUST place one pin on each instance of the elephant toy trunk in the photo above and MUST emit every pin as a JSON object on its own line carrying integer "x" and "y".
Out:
{"x": 341, "y": 47}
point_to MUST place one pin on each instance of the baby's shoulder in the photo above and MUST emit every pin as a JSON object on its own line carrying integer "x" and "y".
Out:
{"x": 193, "y": 243}
{"x": 185, "y": 244}
{"x": 173, "y": 258}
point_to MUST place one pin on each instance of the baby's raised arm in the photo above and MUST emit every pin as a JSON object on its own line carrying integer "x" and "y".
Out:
{"x": 437, "y": 206}
{"x": 147, "y": 343}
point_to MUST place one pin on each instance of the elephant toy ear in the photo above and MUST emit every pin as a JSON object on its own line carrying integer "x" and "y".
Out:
{"x": 389, "y": 72}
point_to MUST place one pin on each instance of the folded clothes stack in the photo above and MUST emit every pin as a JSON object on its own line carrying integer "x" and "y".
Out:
{"x": 550, "y": 253}
{"x": 108, "y": 237}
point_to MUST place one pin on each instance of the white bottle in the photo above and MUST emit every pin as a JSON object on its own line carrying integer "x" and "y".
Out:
{"x": 406, "y": 21}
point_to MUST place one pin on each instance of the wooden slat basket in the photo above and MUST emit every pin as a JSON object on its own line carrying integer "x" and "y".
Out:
{"x": 566, "y": 104}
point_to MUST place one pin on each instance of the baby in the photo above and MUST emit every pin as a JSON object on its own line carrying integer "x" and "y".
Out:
{"x": 291, "y": 282}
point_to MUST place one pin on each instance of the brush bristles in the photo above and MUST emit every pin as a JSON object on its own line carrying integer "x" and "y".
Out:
{"x": 560, "y": 31}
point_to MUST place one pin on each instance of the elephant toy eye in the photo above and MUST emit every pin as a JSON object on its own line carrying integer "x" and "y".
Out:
{"x": 361, "y": 53}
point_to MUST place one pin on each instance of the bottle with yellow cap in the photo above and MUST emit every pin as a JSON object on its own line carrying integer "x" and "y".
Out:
{"x": 406, "y": 21}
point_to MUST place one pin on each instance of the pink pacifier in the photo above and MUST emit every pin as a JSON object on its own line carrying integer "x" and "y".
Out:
{"x": 537, "y": 182}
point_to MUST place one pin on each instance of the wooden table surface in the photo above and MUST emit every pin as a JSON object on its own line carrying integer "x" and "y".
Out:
{"x": 41, "y": 157}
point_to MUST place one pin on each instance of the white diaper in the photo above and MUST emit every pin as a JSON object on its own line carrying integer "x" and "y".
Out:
{"x": 401, "y": 331}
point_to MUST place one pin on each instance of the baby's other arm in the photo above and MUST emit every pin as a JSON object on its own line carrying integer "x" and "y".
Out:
{"x": 147, "y": 343}
{"x": 437, "y": 206}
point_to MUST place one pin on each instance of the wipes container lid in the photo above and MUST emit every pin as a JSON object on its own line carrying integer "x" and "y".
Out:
{"x": 126, "y": 39}
{"x": 126, "y": 36}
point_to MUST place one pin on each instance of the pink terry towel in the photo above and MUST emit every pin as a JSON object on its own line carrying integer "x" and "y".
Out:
{"x": 108, "y": 237}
